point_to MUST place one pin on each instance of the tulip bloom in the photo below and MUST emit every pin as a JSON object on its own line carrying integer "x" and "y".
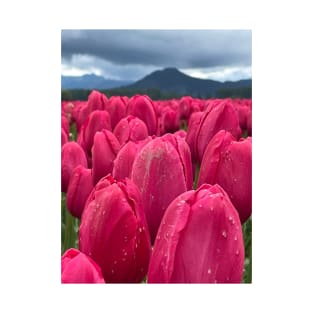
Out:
{"x": 76, "y": 267}
{"x": 96, "y": 121}
{"x": 113, "y": 231}
{"x": 162, "y": 170}
{"x": 184, "y": 107}
{"x": 193, "y": 125}
{"x": 124, "y": 160}
{"x": 228, "y": 162}
{"x": 65, "y": 124}
{"x": 104, "y": 151}
{"x": 143, "y": 108}
{"x": 130, "y": 128}
{"x": 72, "y": 155}
{"x": 199, "y": 240}
{"x": 218, "y": 115}
{"x": 79, "y": 188}
{"x": 116, "y": 106}
{"x": 168, "y": 121}
{"x": 64, "y": 137}
{"x": 96, "y": 101}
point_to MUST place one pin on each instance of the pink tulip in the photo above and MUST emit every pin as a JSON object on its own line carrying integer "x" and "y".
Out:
{"x": 79, "y": 188}
{"x": 193, "y": 125}
{"x": 113, "y": 231}
{"x": 142, "y": 107}
{"x": 184, "y": 107}
{"x": 124, "y": 160}
{"x": 181, "y": 133}
{"x": 168, "y": 121}
{"x": 65, "y": 124}
{"x": 199, "y": 240}
{"x": 64, "y": 137}
{"x": 96, "y": 121}
{"x": 162, "y": 171}
{"x": 218, "y": 115}
{"x": 72, "y": 155}
{"x": 104, "y": 151}
{"x": 76, "y": 267}
{"x": 96, "y": 101}
{"x": 82, "y": 115}
{"x": 130, "y": 128}
{"x": 228, "y": 162}
{"x": 116, "y": 106}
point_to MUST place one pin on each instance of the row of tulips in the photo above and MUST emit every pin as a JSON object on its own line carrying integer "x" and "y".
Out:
{"x": 147, "y": 200}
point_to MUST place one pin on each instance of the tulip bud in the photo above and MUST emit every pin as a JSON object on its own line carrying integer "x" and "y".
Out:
{"x": 162, "y": 171}
{"x": 65, "y": 125}
{"x": 130, "y": 128}
{"x": 104, "y": 151}
{"x": 82, "y": 115}
{"x": 184, "y": 107}
{"x": 72, "y": 155}
{"x": 199, "y": 240}
{"x": 181, "y": 133}
{"x": 96, "y": 101}
{"x": 96, "y": 121}
{"x": 143, "y": 108}
{"x": 218, "y": 115}
{"x": 193, "y": 125}
{"x": 116, "y": 106}
{"x": 76, "y": 267}
{"x": 79, "y": 188}
{"x": 228, "y": 162}
{"x": 64, "y": 137}
{"x": 114, "y": 233}
{"x": 124, "y": 160}
{"x": 168, "y": 121}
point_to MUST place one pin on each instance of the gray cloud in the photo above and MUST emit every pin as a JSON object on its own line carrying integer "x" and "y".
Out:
{"x": 136, "y": 52}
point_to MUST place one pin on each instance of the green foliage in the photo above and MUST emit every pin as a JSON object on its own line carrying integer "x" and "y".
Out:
{"x": 247, "y": 236}
{"x": 241, "y": 92}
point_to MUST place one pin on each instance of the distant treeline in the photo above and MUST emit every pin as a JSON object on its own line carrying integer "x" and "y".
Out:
{"x": 156, "y": 94}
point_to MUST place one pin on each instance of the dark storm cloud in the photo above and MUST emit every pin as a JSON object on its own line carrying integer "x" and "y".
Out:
{"x": 160, "y": 48}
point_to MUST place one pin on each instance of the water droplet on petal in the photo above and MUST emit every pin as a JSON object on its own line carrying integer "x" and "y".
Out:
{"x": 209, "y": 271}
{"x": 237, "y": 252}
{"x": 235, "y": 238}
{"x": 224, "y": 234}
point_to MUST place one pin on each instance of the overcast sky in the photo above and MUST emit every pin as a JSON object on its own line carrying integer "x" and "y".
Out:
{"x": 132, "y": 54}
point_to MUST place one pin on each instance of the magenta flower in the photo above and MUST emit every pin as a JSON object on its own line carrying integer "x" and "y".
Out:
{"x": 72, "y": 155}
{"x": 104, "y": 151}
{"x": 96, "y": 121}
{"x": 114, "y": 233}
{"x": 218, "y": 115}
{"x": 64, "y": 137}
{"x": 96, "y": 101}
{"x": 162, "y": 170}
{"x": 116, "y": 106}
{"x": 76, "y": 267}
{"x": 193, "y": 125}
{"x": 228, "y": 162}
{"x": 199, "y": 240}
{"x": 130, "y": 128}
{"x": 124, "y": 160}
{"x": 79, "y": 188}
{"x": 142, "y": 107}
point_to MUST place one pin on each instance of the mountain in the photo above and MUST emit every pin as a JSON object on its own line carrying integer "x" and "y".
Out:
{"x": 171, "y": 80}
{"x": 91, "y": 81}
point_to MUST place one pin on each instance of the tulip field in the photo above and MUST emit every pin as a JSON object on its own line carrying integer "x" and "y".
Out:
{"x": 156, "y": 191}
